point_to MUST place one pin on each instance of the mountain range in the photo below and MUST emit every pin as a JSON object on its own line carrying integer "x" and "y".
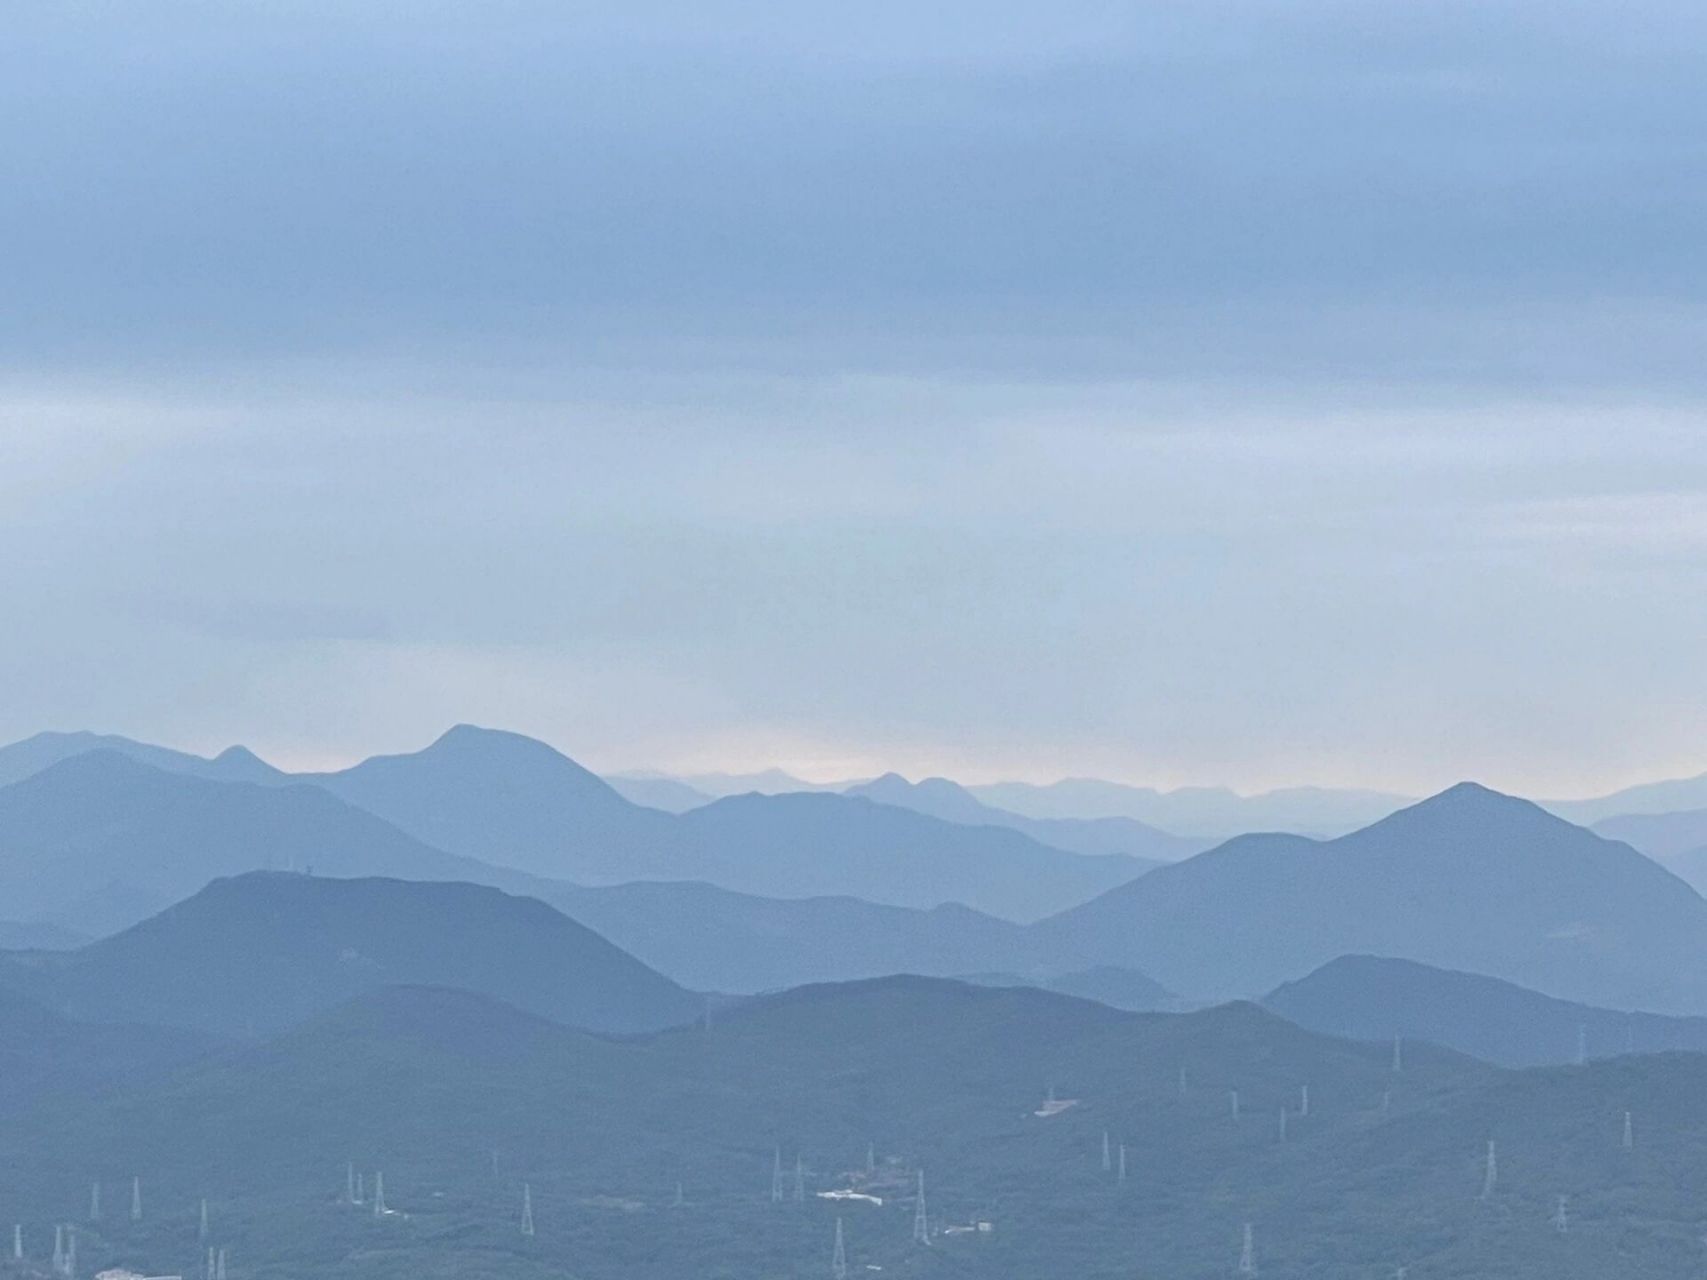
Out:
{"x": 1468, "y": 879}
{"x": 257, "y": 953}
{"x": 649, "y": 1157}
{"x": 952, "y": 802}
{"x": 1374, "y": 998}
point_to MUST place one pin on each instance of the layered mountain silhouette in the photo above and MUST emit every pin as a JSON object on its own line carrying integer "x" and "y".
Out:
{"x": 1118, "y": 988}
{"x": 1204, "y": 811}
{"x": 255, "y": 953}
{"x": 509, "y": 800}
{"x": 99, "y": 841}
{"x": 29, "y": 757}
{"x": 716, "y": 939}
{"x": 952, "y": 802}
{"x": 669, "y": 794}
{"x": 1372, "y": 998}
{"x": 1469, "y": 879}
{"x": 1662, "y": 836}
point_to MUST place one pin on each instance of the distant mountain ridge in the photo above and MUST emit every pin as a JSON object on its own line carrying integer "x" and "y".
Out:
{"x": 941, "y": 798}
{"x": 1468, "y": 879}
{"x": 256, "y": 953}
{"x": 1375, "y": 998}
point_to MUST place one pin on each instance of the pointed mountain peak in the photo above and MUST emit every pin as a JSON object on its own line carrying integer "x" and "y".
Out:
{"x": 1470, "y": 805}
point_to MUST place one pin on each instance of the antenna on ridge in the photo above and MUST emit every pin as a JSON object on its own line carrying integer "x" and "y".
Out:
{"x": 379, "y": 1209}
{"x": 361, "y": 1189}
{"x": 1248, "y": 1253}
{"x": 201, "y": 1228}
{"x": 839, "y": 1259}
{"x": 1303, "y": 1100}
{"x": 1561, "y": 1219}
{"x": 58, "y": 1249}
{"x": 527, "y": 1209}
{"x": 1490, "y": 1174}
{"x": 136, "y": 1199}
{"x": 1629, "y": 1134}
{"x": 1107, "y": 1159}
{"x": 921, "y": 1225}
{"x": 17, "y": 1241}
{"x": 210, "y": 1266}
{"x": 219, "y": 1268}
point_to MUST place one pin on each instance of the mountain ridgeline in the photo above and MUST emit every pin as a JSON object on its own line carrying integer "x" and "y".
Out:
{"x": 257, "y": 953}
{"x": 1469, "y": 879}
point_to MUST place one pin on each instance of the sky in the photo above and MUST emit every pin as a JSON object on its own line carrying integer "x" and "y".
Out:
{"x": 1196, "y": 392}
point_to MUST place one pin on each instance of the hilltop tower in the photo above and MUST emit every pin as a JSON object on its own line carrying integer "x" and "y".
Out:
{"x": 219, "y": 1266}
{"x": 201, "y": 1227}
{"x": 921, "y": 1224}
{"x": 58, "y": 1249}
{"x": 136, "y": 1199}
{"x": 1629, "y": 1140}
{"x": 379, "y": 1209}
{"x": 839, "y": 1259}
{"x": 1248, "y": 1253}
{"x": 17, "y": 1241}
{"x": 527, "y": 1209}
{"x": 799, "y": 1179}
{"x": 1490, "y": 1173}
{"x": 1303, "y": 1100}
{"x": 210, "y": 1266}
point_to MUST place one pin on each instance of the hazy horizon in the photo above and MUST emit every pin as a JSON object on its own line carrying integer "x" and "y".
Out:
{"x": 1211, "y": 394}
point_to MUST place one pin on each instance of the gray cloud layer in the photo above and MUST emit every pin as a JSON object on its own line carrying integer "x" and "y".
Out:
{"x": 1216, "y": 392}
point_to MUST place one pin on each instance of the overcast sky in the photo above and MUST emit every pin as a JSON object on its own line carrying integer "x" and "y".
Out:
{"x": 1177, "y": 392}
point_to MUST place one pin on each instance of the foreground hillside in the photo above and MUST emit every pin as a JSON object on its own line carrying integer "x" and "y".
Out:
{"x": 459, "y": 1101}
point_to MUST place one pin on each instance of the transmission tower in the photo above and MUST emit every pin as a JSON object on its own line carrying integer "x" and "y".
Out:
{"x": 17, "y": 1242}
{"x": 527, "y": 1209}
{"x": 1629, "y": 1134}
{"x": 219, "y": 1266}
{"x": 136, "y": 1199}
{"x": 921, "y": 1225}
{"x": 201, "y": 1227}
{"x": 379, "y": 1195}
{"x": 839, "y": 1259}
{"x": 1303, "y": 1100}
{"x": 1491, "y": 1173}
